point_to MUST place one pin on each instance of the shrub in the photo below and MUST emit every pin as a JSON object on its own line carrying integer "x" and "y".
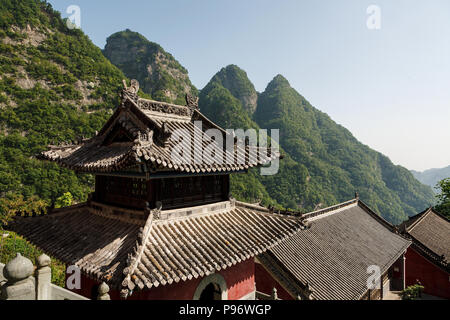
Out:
{"x": 412, "y": 292}
{"x": 65, "y": 200}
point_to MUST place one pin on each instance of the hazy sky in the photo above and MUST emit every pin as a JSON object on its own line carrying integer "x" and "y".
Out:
{"x": 388, "y": 86}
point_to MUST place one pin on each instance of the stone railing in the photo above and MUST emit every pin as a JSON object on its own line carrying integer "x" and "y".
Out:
{"x": 264, "y": 296}
{"x": 2, "y": 278}
{"x": 21, "y": 280}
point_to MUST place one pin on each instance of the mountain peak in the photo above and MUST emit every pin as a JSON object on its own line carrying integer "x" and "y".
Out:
{"x": 237, "y": 82}
{"x": 157, "y": 71}
{"x": 130, "y": 36}
{"x": 278, "y": 81}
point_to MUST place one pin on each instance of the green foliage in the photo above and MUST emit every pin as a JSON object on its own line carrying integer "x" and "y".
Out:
{"x": 443, "y": 206}
{"x": 26, "y": 12}
{"x": 247, "y": 187}
{"x": 65, "y": 200}
{"x": 13, "y": 244}
{"x": 159, "y": 74}
{"x": 412, "y": 292}
{"x": 70, "y": 92}
{"x": 217, "y": 103}
{"x": 15, "y": 204}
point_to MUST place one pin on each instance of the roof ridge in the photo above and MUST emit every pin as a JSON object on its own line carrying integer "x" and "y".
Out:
{"x": 440, "y": 215}
{"x": 160, "y": 102}
{"x": 419, "y": 217}
{"x": 335, "y": 207}
{"x": 251, "y": 206}
{"x": 134, "y": 260}
{"x": 69, "y": 208}
{"x": 380, "y": 219}
{"x": 271, "y": 210}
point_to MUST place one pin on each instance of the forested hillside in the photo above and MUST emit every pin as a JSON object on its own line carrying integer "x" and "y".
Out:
{"x": 328, "y": 164}
{"x": 337, "y": 163}
{"x": 55, "y": 85}
{"x": 283, "y": 189}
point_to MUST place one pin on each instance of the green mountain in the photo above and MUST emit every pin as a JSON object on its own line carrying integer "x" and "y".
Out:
{"x": 431, "y": 177}
{"x": 325, "y": 163}
{"x": 236, "y": 81}
{"x": 55, "y": 85}
{"x": 157, "y": 71}
{"x": 283, "y": 189}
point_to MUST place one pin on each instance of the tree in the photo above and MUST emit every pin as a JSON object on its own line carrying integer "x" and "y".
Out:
{"x": 444, "y": 197}
{"x": 65, "y": 200}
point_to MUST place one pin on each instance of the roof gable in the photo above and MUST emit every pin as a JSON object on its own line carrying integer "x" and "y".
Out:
{"x": 431, "y": 230}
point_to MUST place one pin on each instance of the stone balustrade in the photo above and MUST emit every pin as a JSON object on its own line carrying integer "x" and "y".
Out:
{"x": 21, "y": 280}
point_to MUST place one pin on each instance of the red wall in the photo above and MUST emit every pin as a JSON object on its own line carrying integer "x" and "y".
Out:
{"x": 265, "y": 283}
{"x": 240, "y": 281}
{"x": 435, "y": 280}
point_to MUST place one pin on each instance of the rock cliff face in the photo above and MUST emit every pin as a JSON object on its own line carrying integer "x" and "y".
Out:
{"x": 159, "y": 74}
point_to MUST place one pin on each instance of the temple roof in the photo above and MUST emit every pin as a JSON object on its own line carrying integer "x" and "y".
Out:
{"x": 159, "y": 135}
{"x": 135, "y": 250}
{"x": 430, "y": 233}
{"x": 330, "y": 258}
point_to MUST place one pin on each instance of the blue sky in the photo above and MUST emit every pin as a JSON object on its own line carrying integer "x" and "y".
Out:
{"x": 389, "y": 87}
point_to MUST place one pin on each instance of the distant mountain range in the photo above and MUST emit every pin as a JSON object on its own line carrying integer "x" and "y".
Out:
{"x": 432, "y": 176}
{"x": 56, "y": 85}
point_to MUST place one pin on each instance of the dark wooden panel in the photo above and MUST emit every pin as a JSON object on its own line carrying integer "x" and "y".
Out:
{"x": 172, "y": 192}
{"x": 126, "y": 192}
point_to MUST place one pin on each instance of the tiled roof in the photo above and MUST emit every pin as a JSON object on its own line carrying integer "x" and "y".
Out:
{"x": 132, "y": 251}
{"x": 332, "y": 256}
{"x": 92, "y": 156}
{"x": 431, "y": 230}
{"x": 150, "y": 127}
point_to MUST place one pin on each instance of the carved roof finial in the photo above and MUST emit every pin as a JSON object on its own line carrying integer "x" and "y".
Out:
{"x": 191, "y": 101}
{"x": 134, "y": 88}
{"x": 164, "y": 134}
{"x": 130, "y": 92}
